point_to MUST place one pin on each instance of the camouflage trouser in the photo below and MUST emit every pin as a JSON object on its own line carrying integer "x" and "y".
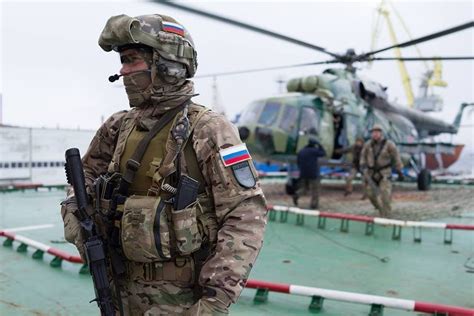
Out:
{"x": 311, "y": 185}
{"x": 142, "y": 296}
{"x": 381, "y": 196}
{"x": 156, "y": 298}
{"x": 350, "y": 178}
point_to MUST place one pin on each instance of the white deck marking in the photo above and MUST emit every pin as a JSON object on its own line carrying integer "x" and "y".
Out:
{"x": 26, "y": 228}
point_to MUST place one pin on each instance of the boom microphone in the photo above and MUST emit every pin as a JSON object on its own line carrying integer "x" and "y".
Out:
{"x": 117, "y": 76}
{"x": 114, "y": 77}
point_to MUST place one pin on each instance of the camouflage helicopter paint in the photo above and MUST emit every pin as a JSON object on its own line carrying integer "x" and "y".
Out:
{"x": 278, "y": 127}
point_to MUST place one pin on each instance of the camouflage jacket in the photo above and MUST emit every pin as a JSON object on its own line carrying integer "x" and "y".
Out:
{"x": 388, "y": 156}
{"x": 241, "y": 212}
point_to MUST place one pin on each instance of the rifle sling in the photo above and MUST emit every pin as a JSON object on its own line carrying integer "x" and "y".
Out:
{"x": 133, "y": 163}
{"x": 377, "y": 169}
{"x": 377, "y": 154}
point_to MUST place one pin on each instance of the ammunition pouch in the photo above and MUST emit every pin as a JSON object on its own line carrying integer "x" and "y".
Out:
{"x": 151, "y": 230}
{"x": 145, "y": 229}
{"x": 188, "y": 237}
{"x": 148, "y": 229}
{"x": 106, "y": 187}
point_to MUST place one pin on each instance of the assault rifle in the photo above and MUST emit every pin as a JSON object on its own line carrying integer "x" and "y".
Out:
{"x": 94, "y": 246}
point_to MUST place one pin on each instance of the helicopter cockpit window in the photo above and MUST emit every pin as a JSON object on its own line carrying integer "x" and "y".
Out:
{"x": 309, "y": 121}
{"x": 251, "y": 113}
{"x": 289, "y": 119}
{"x": 269, "y": 114}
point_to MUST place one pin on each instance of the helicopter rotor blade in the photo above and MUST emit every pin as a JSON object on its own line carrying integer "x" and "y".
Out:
{"x": 420, "y": 39}
{"x": 422, "y": 58}
{"x": 245, "y": 26}
{"x": 238, "y": 72}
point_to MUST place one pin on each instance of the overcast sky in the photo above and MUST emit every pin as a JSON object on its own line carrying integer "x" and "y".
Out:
{"x": 53, "y": 73}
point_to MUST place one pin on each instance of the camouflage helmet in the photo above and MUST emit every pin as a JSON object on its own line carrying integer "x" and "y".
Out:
{"x": 160, "y": 32}
{"x": 377, "y": 127}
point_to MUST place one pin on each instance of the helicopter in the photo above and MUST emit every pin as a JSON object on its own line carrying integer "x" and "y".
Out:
{"x": 338, "y": 106}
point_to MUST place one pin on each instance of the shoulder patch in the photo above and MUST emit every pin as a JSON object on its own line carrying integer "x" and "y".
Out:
{"x": 235, "y": 154}
{"x": 243, "y": 174}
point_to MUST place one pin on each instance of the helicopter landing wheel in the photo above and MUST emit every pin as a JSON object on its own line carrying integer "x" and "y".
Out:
{"x": 424, "y": 180}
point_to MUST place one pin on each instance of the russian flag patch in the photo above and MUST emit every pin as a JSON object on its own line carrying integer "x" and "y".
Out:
{"x": 173, "y": 28}
{"x": 235, "y": 154}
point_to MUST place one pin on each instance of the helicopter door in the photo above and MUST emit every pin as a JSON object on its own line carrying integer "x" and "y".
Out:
{"x": 308, "y": 126}
{"x": 346, "y": 128}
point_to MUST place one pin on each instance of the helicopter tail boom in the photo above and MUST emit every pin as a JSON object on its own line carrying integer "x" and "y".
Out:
{"x": 457, "y": 120}
{"x": 425, "y": 124}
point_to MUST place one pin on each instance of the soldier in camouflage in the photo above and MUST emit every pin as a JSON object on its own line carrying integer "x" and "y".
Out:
{"x": 355, "y": 150}
{"x": 377, "y": 157}
{"x": 204, "y": 253}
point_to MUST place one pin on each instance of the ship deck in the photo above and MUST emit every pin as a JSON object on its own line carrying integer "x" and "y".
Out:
{"x": 430, "y": 270}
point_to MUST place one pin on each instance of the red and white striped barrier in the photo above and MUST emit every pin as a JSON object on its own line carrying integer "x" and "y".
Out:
{"x": 42, "y": 247}
{"x": 350, "y": 297}
{"x": 369, "y": 219}
{"x": 27, "y": 228}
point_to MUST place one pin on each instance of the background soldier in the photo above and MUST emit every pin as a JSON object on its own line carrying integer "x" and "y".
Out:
{"x": 310, "y": 179}
{"x": 194, "y": 259}
{"x": 355, "y": 150}
{"x": 377, "y": 157}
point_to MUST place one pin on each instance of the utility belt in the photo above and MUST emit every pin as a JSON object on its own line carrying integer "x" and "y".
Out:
{"x": 181, "y": 269}
{"x": 150, "y": 229}
{"x": 377, "y": 175}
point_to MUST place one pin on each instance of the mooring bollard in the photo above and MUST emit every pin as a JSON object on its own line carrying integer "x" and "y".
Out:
{"x": 369, "y": 228}
{"x": 397, "y": 232}
{"x": 299, "y": 219}
{"x": 417, "y": 236}
{"x": 84, "y": 269}
{"x": 56, "y": 262}
{"x": 316, "y": 304}
{"x": 8, "y": 242}
{"x": 345, "y": 225}
{"x": 22, "y": 248}
{"x": 448, "y": 238}
{"x": 261, "y": 296}
{"x": 38, "y": 254}
{"x": 272, "y": 215}
{"x": 321, "y": 222}
{"x": 376, "y": 310}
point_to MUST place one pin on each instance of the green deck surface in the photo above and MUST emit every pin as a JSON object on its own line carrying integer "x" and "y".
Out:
{"x": 302, "y": 255}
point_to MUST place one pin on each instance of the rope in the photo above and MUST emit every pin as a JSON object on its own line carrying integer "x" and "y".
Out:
{"x": 363, "y": 252}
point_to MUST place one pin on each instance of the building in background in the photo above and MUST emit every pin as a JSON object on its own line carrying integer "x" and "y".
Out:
{"x": 36, "y": 155}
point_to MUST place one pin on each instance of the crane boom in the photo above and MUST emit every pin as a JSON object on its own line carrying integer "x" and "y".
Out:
{"x": 406, "y": 82}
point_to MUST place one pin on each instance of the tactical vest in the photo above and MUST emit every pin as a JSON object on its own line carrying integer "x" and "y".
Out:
{"x": 151, "y": 230}
{"x": 375, "y": 169}
{"x": 151, "y": 160}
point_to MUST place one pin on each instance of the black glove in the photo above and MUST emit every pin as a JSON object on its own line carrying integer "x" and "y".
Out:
{"x": 401, "y": 177}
